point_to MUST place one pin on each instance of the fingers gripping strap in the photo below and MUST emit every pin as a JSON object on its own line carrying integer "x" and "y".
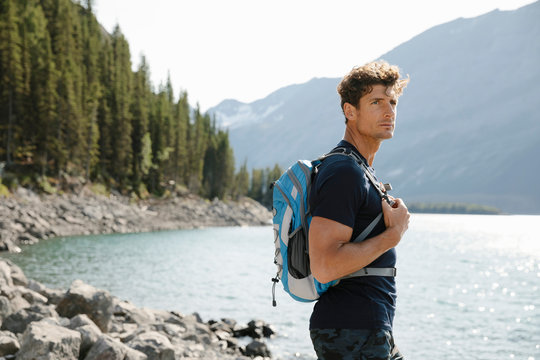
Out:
{"x": 371, "y": 271}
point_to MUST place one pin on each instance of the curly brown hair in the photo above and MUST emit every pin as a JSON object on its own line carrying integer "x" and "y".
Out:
{"x": 360, "y": 80}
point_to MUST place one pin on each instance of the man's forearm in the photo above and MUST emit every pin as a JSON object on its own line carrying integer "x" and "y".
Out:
{"x": 348, "y": 257}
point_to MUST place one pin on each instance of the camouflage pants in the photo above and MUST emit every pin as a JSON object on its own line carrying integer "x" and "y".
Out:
{"x": 354, "y": 344}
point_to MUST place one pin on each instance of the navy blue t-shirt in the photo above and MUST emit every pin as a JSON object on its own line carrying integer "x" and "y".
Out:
{"x": 342, "y": 192}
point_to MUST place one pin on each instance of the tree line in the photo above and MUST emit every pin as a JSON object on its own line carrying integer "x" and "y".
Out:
{"x": 70, "y": 103}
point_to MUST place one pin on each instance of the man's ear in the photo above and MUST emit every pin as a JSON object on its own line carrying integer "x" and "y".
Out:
{"x": 349, "y": 111}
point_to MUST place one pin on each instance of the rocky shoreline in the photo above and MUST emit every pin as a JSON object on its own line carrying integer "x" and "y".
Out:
{"x": 26, "y": 217}
{"x": 88, "y": 323}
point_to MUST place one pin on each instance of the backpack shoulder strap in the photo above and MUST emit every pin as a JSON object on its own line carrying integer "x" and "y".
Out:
{"x": 347, "y": 151}
{"x": 364, "y": 234}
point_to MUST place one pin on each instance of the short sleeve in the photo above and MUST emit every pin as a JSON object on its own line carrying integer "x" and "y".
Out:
{"x": 339, "y": 192}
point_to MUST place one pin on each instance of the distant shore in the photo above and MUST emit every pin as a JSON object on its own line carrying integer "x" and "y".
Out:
{"x": 27, "y": 218}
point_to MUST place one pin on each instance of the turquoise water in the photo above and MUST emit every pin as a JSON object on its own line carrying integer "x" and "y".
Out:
{"x": 468, "y": 285}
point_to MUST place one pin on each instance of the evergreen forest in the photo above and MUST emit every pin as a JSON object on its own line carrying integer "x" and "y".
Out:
{"x": 71, "y": 106}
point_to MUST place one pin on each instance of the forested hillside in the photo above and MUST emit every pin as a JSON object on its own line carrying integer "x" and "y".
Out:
{"x": 71, "y": 105}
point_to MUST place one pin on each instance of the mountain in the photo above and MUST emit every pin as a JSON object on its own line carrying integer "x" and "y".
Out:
{"x": 467, "y": 130}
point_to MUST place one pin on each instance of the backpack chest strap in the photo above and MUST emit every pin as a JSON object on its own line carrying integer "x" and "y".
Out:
{"x": 372, "y": 272}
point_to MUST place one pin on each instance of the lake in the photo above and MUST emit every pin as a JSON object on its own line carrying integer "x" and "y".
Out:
{"x": 468, "y": 285}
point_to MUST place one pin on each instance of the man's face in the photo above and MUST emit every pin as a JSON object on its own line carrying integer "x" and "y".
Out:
{"x": 376, "y": 114}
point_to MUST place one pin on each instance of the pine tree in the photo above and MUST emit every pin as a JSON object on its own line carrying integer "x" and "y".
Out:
{"x": 121, "y": 117}
{"x": 257, "y": 180}
{"x": 199, "y": 141}
{"x": 225, "y": 165}
{"x": 65, "y": 35}
{"x": 43, "y": 97}
{"x": 180, "y": 152}
{"x": 104, "y": 115}
{"x": 218, "y": 169}
{"x": 160, "y": 151}
{"x": 92, "y": 89}
{"x": 271, "y": 176}
{"x": 241, "y": 182}
{"x": 140, "y": 108}
{"x": 11, "y": 73}
{"x": 169, "y": 130}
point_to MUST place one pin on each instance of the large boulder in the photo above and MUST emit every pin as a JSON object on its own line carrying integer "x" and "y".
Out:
{"x": 155, "y": 345}
{"x": 82, "y": 298}
{"x": 9, "y": 344}
{"x": 46, "y": 340}
{"x": 107, "y": 348}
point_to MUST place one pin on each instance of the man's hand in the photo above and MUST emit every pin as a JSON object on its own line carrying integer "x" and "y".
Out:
{"x": 396, "y": 219}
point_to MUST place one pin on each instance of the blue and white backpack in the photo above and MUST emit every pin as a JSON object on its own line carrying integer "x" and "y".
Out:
{"x": 291, "y": 219}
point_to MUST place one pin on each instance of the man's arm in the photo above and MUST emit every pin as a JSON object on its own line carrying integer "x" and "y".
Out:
{"x": 331, "y": 254}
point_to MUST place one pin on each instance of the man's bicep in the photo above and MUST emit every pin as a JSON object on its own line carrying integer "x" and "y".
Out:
{"x": 326, "y": 237}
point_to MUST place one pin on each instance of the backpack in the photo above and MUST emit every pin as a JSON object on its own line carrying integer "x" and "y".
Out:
{"x": 291, "y": 220}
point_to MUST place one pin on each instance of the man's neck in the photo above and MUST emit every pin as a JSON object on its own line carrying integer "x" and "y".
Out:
{"x": 367, "y": 147}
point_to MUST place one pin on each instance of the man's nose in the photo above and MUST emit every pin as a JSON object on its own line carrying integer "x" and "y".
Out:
{"x": 390, "y": 111}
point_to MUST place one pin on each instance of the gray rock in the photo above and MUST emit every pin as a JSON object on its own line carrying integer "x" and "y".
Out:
{"x": 80, "y": 320}
{"x": 233, "y": 343}
{"x": 17, "y": 301}
{"x": 82, "y": 298}
{"x": 27, "y": 239}
{"x": 221, "y": 326}
{"x": 5, "y": 308}
{"x": 171, "y": 317}
{"x": 89, "y": 336}
{"x": 89, "y": 331}
{"x": 257, "y": 348}
{"x": 131, "y": 314}
{"x": 155, "y": 345}
{"x": 9, "y": 344}
{"x": 6, "y": 242}
{"x": 169, "y": 330}
{"x": 107, "y": 348}
{"x": 195, "y": 317}
{"x": 223, "y": 335}
{"x": 269, "y": 331}
{"x": 31, "y": 296}
{"x": 44, "y": 340}
{"x": 18, "y": 321}
{"x": 230, "y": 322}
{"x": 5, "y": 274}
{"x": 255, "y": 329}
{"x": 53, "y": 295}
{"x": 124, "y": 331}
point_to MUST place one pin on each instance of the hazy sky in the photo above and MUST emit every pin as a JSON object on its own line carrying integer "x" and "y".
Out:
{"x": 246, "y": 49}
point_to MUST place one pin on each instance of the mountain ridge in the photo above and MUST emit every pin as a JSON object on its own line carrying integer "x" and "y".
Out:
{"x": 467, "y": 128}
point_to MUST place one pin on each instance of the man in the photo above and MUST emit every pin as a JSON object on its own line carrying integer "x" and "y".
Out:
{"x": 353, "y": 320}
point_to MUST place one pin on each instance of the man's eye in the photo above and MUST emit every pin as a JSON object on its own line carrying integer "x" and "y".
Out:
{"x": 375, "y": 102}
